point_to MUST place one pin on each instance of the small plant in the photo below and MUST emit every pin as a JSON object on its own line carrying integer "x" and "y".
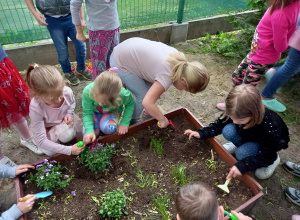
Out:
{"x": 211, "y": 164}
{"x": 49, "y": 175}
{"x": 97, "y": 157}
{"x": 161, "y": 202}
{"x": 158, "y": 145}
{"x": 146, "y": 181}
{"x": 179, "y": 175}
{"x": 113, "y": 204}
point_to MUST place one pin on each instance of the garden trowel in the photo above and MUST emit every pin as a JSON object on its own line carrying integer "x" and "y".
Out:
{"x": 225, "y": 186}
{"x": 38, "y": 196}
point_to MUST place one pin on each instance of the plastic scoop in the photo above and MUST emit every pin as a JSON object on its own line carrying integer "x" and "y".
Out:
{"x": 38, "y": 196}
{"x": 225, "y": 186}
{"x": 170, "y": 123}
{"x": 232, "y": 216}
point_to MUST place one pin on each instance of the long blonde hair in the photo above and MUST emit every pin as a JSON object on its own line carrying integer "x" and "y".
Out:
{"x": 108, "y": 85}
{"x": 245, "y": 101}
{"x": 194, "y": 73}
{"x": 45, "y": 81}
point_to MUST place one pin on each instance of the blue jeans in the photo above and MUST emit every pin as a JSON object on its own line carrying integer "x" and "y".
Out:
{"x": 60, "y": 29}
{"x": 290, "y": 68}
{"x": 137, "y": 86}
{"x": 244, "y": 149}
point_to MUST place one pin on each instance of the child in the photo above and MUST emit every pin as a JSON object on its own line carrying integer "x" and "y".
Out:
{"x": 103, "y": 24}
{"x": 52, "y": 111}
{"x": 256, "y": 133}
{"x": 270, "y": 39}
{"x": 59, "y": 24}
{"x": 106, "y": 94}
{"x": 195, "y": 201}
{"x": 149, "y": 68}
{"x": 16, "y": 211}
{"x": 14, "y": 104}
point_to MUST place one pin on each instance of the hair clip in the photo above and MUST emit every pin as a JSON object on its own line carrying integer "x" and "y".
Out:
{"x": 35, "y": 65}
{"x": 113, "y": 69}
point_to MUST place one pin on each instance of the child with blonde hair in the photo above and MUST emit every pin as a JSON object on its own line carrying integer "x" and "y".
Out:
{"x": 256, "y": 134}
{"x": 52, "y": 111}
{"x": 196, "y": 201}
{"x": 106, "y": 96}
{"x": 149, "y": 68}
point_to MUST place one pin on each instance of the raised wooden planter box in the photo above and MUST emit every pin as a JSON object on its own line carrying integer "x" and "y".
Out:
{"x": 255, "y": 187}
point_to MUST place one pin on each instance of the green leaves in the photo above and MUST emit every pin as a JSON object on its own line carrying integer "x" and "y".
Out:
{"x": 97, "y": 157}
{"x": 113, "y": 204}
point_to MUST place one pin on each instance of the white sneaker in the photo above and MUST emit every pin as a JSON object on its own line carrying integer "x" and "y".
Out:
{"x": 6, "y": 160}
{"x": 31, "y": 146}
{"x": 230, "y": 147}
{"x": 265, "y": 172}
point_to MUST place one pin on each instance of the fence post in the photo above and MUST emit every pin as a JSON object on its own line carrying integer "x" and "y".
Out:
{"x": 180, "y": 11}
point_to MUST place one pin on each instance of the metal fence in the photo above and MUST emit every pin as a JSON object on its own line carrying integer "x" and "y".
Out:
{"x": 17, "y": 24}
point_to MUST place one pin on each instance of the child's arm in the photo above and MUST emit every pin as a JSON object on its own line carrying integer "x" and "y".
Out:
{"x": 39, "y": 17}
{"x": 88, "y": 111}
{"x": 153, "y": 94}
{"x": 39, "y": 133}
{"x": 75, "y": 6}
{"x": 7, "y": 171}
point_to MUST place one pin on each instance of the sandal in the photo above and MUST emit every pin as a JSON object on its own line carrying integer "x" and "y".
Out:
{"x": 274, "y": 105}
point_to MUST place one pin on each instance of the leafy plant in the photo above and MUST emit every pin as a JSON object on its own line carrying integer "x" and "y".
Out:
{"x": 161, "y": 202}
{"x": 146, "y": 181}
{"x": 211, "y": 164}
{"x": 97, "y": 157}
{"x": 49, "y": 175}
{"x": 113, "y": 204}
{"x": 179, "y": 175}
{"x": 157, "y": 144}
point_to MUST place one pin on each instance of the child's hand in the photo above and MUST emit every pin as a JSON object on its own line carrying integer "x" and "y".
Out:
{"x": 234, "y": 172}
{"x": 27, "y": 205}
{"x": 68, "y": 119}
{"x": 122, "y": 129}
{"x": 240, "y": 216}
{"x": 191, "y": 133}
{"x": 80, "y": 37}
{"x": 89, "y": 138}
{"x": 77, "y": 150}
{"x": 23, "y": 168}
{"x": 163, "y": 123}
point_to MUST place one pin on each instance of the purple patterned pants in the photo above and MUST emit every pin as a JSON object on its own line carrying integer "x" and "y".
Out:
{"x": 102, "y": 44}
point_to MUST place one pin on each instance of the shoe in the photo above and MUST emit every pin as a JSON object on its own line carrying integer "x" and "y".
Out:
{"x": 146, "y": 115}
{"x": 6, "y": 160}
{"x": 84, "y": 73}
{"x": 230, "y": 147}
{"x": 292, "y": 168}
{"x": 293, "y": 195}
{"x": 31, "y": 146}
{"x": 221, "y": 106}
{"x": 265, "y": 172}
{"x": 274, "y": 105}
{"x": 72, "y": 79}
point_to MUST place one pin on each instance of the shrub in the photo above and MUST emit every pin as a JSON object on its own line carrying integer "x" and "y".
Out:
{"x": 114, "y": 204}
{"x": 49, "y": 175}
{"x": 97, "y": 157}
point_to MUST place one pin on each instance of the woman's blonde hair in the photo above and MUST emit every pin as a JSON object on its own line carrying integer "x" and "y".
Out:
{"x": 45, "y": 81}
{"x": 194, "y": 73}
{"x": 245, "y": 101}
{"x": 108, "y": 85}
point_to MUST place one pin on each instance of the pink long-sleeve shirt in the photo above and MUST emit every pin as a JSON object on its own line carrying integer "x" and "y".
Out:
{"x": 272, "y": 34}
{"x": 43, "y": 116}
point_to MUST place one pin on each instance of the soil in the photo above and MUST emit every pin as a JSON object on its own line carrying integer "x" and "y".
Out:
{"x": 273, "y": 205}
{"x": 134, "y": 153}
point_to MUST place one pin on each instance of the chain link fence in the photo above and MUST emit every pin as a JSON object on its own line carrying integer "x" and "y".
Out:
{"x": 17, "y": 24}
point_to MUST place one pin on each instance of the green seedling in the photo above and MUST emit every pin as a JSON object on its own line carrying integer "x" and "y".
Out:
{"x": 89, "y": 191}
{"x": 179, "y": 175}
{"x": 157, "y": 144}
{"x": 211, "y": 164}
{"x": 146, "y": 181}
{"x": 161, "y": 202}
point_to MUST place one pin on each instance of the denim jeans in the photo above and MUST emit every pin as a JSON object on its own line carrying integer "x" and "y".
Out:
{"x": 60, "y": 29}
{"x": 244, "y": 149}
{"x": 290, "y": 68}
{"x": 137, "y": 86}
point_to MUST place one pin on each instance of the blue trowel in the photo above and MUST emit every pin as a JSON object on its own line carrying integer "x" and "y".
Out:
{"x": 38, "y": 196}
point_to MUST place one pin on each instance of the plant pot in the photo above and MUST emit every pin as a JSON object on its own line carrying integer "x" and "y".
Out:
{"x": 255, "y": 187}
